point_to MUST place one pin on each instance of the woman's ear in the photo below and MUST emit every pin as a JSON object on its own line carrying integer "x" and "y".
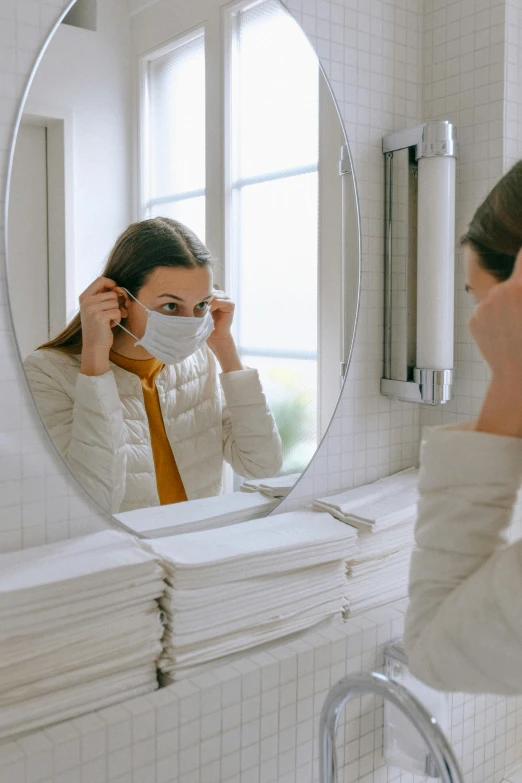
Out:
{"x": 123, "y": 301}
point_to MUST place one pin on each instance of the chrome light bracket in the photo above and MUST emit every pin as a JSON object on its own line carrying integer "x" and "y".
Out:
{"x": 420, "y": 385}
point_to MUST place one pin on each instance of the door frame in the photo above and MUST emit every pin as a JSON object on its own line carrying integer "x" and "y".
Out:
{"x": 58, "y": 122}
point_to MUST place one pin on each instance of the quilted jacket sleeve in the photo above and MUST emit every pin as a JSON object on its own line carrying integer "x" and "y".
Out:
{"x": 251, "y": 442}
{"x": 463, "y": 626}
{"x": 87, "y": 431}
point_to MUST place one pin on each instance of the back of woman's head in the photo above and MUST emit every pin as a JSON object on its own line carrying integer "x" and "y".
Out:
{"x": 149, "y": 244}
{"x": 495, "y": 232}
{"x": 139, "y": 250}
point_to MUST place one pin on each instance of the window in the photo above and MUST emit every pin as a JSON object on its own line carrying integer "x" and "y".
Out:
{"x": 273, "y": 261}
{"x": 174, "y": 149}
{"x": 238, "y": 130}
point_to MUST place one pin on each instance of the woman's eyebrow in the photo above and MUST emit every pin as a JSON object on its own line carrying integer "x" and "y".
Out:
{"x": 179, "y": 299}
{"x": 468, "y": 289}
{"x": 170, "y": 296}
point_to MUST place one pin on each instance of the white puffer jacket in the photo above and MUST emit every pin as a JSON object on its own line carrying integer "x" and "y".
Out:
{"x": 464, "y": 622}
{"x": 100, "y": 427}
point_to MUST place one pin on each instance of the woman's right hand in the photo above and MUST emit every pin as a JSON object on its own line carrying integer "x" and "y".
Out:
{"x": 99, "y": 312}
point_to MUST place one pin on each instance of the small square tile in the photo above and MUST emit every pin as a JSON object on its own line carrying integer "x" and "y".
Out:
{"x": 67, "y": 756}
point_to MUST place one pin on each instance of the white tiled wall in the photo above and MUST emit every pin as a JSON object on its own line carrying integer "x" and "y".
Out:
{"x": 513, "y": 89}
{"x": 465, "y": 46}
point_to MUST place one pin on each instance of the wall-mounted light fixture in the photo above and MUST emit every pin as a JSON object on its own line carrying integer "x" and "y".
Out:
{"x": 419, "y": 263}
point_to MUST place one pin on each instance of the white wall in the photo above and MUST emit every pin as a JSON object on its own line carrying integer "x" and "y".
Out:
{"x": 90, "y": 74}
{"x": 468, "y": 80}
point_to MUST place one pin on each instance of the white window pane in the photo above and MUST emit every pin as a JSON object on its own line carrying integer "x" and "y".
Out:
{"x": 176, "y": 117}
{"x": 191, "y": 212}
{"x": 290, "y": 386}
{"x": 277, "y": 234}
{"x": 276, "y": 98}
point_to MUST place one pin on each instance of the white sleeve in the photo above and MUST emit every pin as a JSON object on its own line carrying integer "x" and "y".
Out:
{"x": 464, "y": 622}
{"x": 251, "y": 442}
{"x": 88, "y": 431}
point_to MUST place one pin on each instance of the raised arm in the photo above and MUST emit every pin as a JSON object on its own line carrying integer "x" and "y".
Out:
{"x": 86, "y": 422}
{"x": 463, "y": 626}
{"x": 251, "y": 442}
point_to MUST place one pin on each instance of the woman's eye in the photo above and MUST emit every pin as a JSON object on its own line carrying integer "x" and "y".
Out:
{"x": 202, "y": 306}
{"x": 170, "y": 307}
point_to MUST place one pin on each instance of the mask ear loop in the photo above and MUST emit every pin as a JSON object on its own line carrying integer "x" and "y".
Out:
{"x": 140, "y": 303}
{"x": 126, "y": 330}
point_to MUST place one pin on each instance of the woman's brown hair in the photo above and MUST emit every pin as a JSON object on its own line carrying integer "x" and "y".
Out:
{"x": 495, "y": 232}
{"x": 141, "y": 248}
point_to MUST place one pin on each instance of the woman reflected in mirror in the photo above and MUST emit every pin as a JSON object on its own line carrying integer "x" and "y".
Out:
{"x": 144, "y": 393}
{"x": 464, "y": 626}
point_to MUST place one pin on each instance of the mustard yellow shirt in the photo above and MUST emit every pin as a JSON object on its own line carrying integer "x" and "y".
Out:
{"x": 168, "y": 480}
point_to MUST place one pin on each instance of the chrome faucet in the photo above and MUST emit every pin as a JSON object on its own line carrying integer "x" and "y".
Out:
{"x": 400, "y": 697}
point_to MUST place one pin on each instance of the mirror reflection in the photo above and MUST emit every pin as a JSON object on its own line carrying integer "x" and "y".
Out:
{"x": 185, "y": 250}
{"x": 130, "y": 390}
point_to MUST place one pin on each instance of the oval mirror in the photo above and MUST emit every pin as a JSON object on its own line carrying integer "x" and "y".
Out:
{"x": 183, "y": 250}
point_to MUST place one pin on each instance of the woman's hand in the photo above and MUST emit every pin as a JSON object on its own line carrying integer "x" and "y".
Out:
{"x": 221, "y": 342}
{"x": 222, "y": 309}
{"x": 100, "y": 312}
{"x": 496, "y": 327}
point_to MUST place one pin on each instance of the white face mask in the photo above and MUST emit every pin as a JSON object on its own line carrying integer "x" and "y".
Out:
{"x": 172, "y": 338}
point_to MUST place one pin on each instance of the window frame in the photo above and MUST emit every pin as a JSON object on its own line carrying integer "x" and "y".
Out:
{"x": 217, "y": 26}
{"x": 143, "y": 140}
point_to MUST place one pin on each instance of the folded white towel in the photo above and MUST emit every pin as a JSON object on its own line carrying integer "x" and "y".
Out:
{"x": 103, "y": 559}
{"x": 80, "y": 628}
{"x": 31, "y": 623}
{"x": 76, "y": 700}
{"x": 193, "y": 516}
{"x": 378, "y": 569}
{"x": 188, "y": 627}
{"x": 278, "y": 487}
{"x": 284, "y": 542}
{"x": 378, "y": 582}
{"x": 379, "y": 544}
{"x": 182, "y": 672}
{"x": 81, "y": 661}
{"x": 388, "y": 502}
{"x": 231, "y": 593}
{"x": 253, "y": 593}
{"x": 173, "y": 660}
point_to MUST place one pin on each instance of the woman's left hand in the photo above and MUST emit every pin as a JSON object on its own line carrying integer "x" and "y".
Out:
{"x": 222, "y": 309}
{"x": 221, "y": 342}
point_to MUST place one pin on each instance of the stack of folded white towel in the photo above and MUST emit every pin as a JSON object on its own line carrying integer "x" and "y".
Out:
{"x": 384, "y": 515}
{"x": 80, "y": 628}
{"x": 193, "y": 516}
{"x": 232, "y": 590}
{"x": 278, "y": 487}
